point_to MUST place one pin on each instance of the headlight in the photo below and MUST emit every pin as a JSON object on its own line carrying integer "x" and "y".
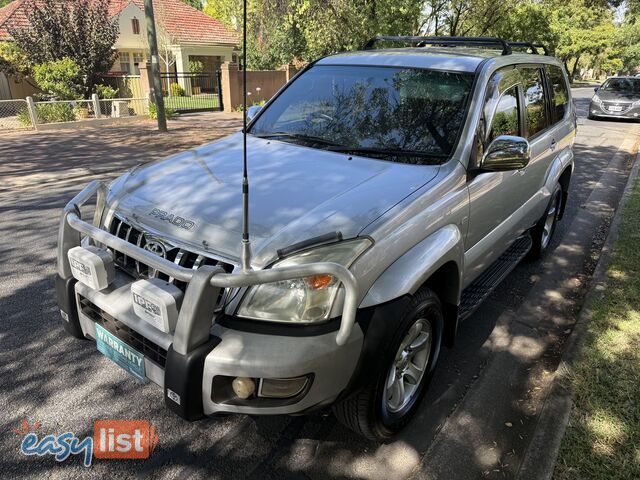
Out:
{"x": 596, "y": 99}
{"x": 636, "y": 103}
{"x": 304, "y": 300}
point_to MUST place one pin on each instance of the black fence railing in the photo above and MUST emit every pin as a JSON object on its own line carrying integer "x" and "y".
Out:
{"x": 190, "y": 92}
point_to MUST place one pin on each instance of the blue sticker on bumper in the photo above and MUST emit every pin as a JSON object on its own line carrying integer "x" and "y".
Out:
{"x": 121, "y": 353}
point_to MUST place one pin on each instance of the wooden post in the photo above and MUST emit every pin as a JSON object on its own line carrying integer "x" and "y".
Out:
{"x": 31, "y": 106}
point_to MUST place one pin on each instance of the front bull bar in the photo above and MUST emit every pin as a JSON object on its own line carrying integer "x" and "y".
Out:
{"x": 204, "y": 284}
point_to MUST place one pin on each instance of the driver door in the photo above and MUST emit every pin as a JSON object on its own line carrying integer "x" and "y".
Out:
{"x": 495, "y": 197}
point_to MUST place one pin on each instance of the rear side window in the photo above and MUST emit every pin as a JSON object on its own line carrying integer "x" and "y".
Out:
{"x": 534, "y": 100}
{"x": 506, "y": 119}
{"x": 559, "y": 93}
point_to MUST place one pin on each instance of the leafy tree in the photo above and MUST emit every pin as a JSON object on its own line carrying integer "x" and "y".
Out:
{"x": 60, "y": 79}
{"x": 5, "y": 2}
{"x": 80, "y": 30}
{"x": 13, "y": 60}
{"x": 194, "y": 3}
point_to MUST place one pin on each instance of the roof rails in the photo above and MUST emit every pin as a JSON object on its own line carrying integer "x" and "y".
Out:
{"x": 531, "y": 46}
{"x": 464, "y": 41}
{"x": 499, "y": 43}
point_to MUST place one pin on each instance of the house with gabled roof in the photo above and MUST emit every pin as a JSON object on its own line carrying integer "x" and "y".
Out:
{"x": 184, "y": 34}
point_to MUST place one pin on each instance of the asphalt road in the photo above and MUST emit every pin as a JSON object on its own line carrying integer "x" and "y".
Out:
{"x": 476, "y": 420}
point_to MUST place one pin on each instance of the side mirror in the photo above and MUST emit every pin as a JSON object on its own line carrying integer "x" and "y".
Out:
{"x": 595, "y": 89}
{"x": 504, "y": 153}
{"x": 252, "y": 112}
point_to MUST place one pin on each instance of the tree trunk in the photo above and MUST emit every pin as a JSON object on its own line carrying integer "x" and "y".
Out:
{"x": 575, "y": 68}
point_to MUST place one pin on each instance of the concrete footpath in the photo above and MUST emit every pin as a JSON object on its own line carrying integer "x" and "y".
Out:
{"x": 542, "y": 454}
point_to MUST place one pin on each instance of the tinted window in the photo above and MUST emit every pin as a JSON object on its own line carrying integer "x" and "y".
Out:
{"x": 559, "y": 92}
{"x": 622, "y": 85}
{"x": 397, "y": 110}
{"x": 506, "y": 119}
{"x": 534, "y": 100}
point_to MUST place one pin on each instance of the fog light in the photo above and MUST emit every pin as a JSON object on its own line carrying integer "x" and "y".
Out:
{"x": 282, "y": 387}
{"x": 243, "y": 387}
{"x": 594, "y": 111}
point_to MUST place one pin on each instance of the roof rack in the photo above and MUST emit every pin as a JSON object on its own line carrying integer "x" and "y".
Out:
{"x": 531, "y": 46}
{"x": 463, "y": 41}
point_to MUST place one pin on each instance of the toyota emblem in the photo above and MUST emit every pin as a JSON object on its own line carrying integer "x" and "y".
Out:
{"x": 156, "y": 248}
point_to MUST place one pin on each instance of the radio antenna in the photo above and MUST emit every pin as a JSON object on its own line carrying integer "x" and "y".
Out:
{"x": 245, "y": 255}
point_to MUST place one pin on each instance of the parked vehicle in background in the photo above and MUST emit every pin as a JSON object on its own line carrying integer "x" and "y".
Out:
{"x": 392, "y": 190}
{"x": 618, "y": 97}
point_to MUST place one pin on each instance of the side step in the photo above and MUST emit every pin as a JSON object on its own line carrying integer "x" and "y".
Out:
{"x": 481, "y": 288}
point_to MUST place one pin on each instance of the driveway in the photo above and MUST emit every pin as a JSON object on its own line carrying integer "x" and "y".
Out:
{"x": 476, "y": 420}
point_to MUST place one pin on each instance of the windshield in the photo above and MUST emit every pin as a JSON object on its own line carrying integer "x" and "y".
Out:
{"x": 407, "y": 115}
{"x": 622, "y": 85}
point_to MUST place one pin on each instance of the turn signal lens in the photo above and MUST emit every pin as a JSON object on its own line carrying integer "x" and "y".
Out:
{"x": 320, "y": 282}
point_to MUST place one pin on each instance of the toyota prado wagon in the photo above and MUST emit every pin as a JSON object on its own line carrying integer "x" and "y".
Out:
{"x": 392, "y": 189}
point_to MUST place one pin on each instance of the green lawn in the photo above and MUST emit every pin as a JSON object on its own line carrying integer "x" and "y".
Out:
{"x": 192, "y": 103}
{"x": 603, "y": 436}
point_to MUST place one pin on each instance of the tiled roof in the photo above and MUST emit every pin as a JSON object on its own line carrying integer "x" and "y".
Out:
{"x": 182, "y": 22}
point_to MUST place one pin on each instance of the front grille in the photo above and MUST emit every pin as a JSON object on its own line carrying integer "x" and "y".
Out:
{"x": 608, "y": 105}
{"x": 122, "y": 229}
{"x": 149, "y": 349}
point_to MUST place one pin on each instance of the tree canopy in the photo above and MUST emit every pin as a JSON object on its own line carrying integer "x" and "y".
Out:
{"x": 80, "y": 31}
{"x": 599, "y": 34}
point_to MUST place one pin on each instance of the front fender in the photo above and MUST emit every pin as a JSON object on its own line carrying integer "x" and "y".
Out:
{"x": 407, "y": 274}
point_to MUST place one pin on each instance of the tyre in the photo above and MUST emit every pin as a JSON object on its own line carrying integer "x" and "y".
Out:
{"x": 543, "y": 231}
{"x": 389, "y": 401}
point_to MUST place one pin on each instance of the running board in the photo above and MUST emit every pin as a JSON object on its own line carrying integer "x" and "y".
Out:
{"x": 476, "y": 293}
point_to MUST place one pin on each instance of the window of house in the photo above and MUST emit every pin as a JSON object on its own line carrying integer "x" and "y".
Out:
{"x": 506, "y": 119}
{"x": 124, "y": 62}
{"x": 534, "y": 100}
{"x": 135, "y": 26}
{"x": 138, "y": 58}
{"x": 559, "y": 92}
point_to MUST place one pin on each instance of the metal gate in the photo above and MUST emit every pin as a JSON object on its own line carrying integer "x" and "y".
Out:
{"x": 192, "y": 92}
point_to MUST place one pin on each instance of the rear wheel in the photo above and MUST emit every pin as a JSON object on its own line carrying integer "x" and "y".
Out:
{"x": 386, "y": 405}
{"x": 543, "y": 232}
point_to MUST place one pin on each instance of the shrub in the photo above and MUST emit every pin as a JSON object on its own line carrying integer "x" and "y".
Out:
{"x": 59, "y": 79}
{"x": 168, "y": 112}
{"x": 106, "y": 91}
{"x": 196, "y": 66}
{"x": 23, "y": 117}
{"x": 55, "y": 113}
{"x": 176, "y": 90}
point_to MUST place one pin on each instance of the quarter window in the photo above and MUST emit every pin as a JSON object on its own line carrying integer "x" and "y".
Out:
{"x": 534, "y": 100}
{"x": 559, "y": 92}
{"x": 506, "y": 119}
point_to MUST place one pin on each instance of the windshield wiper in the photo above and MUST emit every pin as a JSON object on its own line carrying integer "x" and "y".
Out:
{"x": 387, "y": 152}
{"x": 297, "y": 136}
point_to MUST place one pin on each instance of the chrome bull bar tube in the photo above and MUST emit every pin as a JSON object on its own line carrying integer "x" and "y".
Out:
{"x": 192, "y": 331}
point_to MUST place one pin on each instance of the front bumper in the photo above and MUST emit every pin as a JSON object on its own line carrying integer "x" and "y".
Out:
{"x": 599, "y": 110}
{"x": 197, "y": 361}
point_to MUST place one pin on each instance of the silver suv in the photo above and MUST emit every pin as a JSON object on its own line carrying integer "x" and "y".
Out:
{"x": 392, "y": 190}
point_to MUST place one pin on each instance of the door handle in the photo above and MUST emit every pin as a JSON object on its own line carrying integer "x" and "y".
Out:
{"x": 553, "y": 145}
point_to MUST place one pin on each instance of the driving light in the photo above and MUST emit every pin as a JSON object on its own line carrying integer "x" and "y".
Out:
{"x": 92, "y": 266}
{"x": 303, "y": 300}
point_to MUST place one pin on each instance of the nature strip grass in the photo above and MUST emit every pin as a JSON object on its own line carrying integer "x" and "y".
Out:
{"x": 602, "y": 440}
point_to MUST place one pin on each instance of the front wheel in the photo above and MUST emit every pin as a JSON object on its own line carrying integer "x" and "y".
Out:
{"x": 543, "y": 232}
{"x": 386, "y": 405}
